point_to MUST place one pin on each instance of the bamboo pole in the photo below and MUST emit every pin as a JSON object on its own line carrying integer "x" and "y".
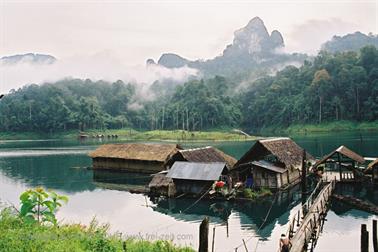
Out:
{"x": 212, "y": 245}
{"x": 375, "y": 236}
{"x": 364, "y": 239}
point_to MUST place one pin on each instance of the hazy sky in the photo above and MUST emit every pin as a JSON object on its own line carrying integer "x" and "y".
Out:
{"x": 133, "y": 31}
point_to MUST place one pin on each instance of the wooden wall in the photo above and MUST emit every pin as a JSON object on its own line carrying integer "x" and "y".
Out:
{"x": 128, "y": 165}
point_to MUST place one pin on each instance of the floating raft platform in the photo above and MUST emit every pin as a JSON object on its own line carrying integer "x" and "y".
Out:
{"x": 357, "y": 203}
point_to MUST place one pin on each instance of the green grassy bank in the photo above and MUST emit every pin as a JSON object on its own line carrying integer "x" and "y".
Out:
{"x": 324, "y": 127}
{"x": 17, "y": 235}
{"x": 131, "y": 134}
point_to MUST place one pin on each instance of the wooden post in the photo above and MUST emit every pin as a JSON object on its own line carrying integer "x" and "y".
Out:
{"x": 227, "y": 228}
{"x": 339, "y": 161}
{"x": 304, "y": 173}
{"x": 204, "y": 236}
{"x": 298, "y": 218}
{"x": 245, "y": 246}
{"x": 375, "y": 236}
{"x": 212, "y": 245}
{"x": 364, "y": 239}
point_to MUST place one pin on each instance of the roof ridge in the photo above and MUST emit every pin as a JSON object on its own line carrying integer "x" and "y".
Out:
{"x": 274, "y": 139}
{"x": 199, "y": 148}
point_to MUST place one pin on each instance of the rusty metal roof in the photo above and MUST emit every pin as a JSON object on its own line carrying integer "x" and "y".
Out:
{"x": 196, "y": 171}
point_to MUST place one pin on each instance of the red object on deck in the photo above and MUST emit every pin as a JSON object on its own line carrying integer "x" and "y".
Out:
{"x": 219, "y": 184}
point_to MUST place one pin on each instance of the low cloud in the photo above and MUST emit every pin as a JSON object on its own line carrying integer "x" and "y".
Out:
{"x": 101, "y": 66}
{"x": 309, "y": 36}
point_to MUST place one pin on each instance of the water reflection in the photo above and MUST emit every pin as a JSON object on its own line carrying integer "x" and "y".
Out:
{"x": 61, "y": 165}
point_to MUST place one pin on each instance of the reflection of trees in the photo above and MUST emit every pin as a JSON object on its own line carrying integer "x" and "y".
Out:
{"x": 361, "y": 191}
{"x": 65, "y": 172}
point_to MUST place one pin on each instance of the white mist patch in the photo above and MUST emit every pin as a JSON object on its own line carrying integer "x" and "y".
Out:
{"x": 101, "y": 66}
{"x": 309, "y": 36}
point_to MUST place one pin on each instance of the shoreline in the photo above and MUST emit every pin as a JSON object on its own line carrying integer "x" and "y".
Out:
{"x": 216, "y": 135}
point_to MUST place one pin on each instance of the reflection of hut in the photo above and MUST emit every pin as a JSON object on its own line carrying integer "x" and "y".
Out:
{"x": 195, "y": 178}
{"x": 162, "y": 185}
{"x": 342, "y": 159}
{"x": 205, "y": 155}
{"x": 272, "y": 163}
{"x": 134, "y": 157}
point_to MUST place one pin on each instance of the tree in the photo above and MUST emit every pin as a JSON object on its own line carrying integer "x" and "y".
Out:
{"x": 320, "y": 83}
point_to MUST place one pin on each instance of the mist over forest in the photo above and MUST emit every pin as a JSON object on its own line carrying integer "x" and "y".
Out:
{"x": 253, "y": 84}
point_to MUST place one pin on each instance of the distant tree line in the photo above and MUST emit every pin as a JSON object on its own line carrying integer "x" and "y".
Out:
{"x": 332, "y": 87}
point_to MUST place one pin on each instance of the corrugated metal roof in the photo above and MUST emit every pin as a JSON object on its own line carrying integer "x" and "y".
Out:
{"x": 196, "y": 171}
{"x": 269, "y": 166}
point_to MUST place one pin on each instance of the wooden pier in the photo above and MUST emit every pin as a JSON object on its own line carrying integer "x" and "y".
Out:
{"x": 306, "y": 225}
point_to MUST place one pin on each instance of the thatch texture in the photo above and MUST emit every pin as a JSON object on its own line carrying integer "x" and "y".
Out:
{"x": 206, "y": 155}
{"x": 371, "y": 165}
{"x": 136, "y": 151}
{"x": 344, "y": 151}
{"x": 160, "y": 180}
{"x": 286, "y": 150}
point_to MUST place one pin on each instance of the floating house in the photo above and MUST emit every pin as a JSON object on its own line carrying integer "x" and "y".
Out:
{"x": 134, "y": 157}
{"x": 373, "y": 170}
{"x": 161, "y": 185}
{"x": 343, "y": 160}
{"x": 204, "y": 155}
{"x": 271, "y": 163}
{"x": 195, "y": 178}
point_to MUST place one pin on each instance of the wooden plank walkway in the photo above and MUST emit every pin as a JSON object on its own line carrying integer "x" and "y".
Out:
{"x": 307, "y": 222}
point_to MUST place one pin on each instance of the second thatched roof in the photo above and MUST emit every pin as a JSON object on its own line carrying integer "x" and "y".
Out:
{"x": 136, "y": 151}
{"x": 207, "y": 155}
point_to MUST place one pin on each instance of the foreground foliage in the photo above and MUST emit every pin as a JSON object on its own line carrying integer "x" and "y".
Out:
{"x": 20, "y": 235}
{"x": 38, "y": 205}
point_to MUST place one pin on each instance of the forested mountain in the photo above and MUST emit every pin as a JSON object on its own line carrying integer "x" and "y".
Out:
{"x": 33, "y": 58}
{"x": 252, "y": 51}
{"x": 350, "y": 42}
{"x": 332, "y": 87}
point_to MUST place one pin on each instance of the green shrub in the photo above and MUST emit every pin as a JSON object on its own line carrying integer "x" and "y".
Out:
{"x": 19, "y": 235}
{"x": 40, "y": 205}
{"x": 265, "y": 192}
{"x": 249, "y": 193}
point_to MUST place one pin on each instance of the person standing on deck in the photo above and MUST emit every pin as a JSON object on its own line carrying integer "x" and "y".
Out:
{"x": 284, "y": 243}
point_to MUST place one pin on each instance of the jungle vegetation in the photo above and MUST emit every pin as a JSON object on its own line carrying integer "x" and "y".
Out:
{"x": 341, "y": 86}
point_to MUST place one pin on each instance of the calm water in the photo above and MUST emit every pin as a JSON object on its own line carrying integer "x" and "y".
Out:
{"x": 61, "y": 165}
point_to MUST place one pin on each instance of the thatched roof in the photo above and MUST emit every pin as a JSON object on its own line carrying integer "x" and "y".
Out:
{"x": 371, "y": 165}
{"x": 136, "y": 151}
{"x": 343, "y": 151}
{"x": 285, "y": 149}
{"x": 160, "y": 180}
{"x": 207, "y": 155}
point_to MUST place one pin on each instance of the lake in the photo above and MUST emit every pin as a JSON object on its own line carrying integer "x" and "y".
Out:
{"x": 61, "y": 165}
